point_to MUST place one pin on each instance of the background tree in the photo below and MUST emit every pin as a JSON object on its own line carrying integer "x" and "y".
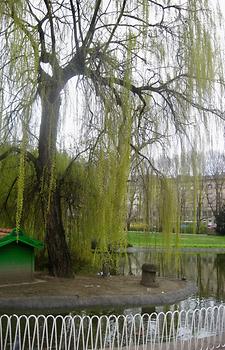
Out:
{"x": 140, "y": 68}
{"x": 215, "y": 181}
{"x": 220, "y": 221}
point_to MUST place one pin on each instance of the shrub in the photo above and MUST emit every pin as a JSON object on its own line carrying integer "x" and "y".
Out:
{"x": 138, "y": 226}
{"x": 191, "y": 228}
{"x": 203, "y": 229}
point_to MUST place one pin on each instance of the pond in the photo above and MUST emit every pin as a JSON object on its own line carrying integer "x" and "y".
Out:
{"x": 205, "y": 268}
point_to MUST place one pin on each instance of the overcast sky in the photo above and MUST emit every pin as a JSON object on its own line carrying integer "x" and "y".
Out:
{"x": 214, "y": 139}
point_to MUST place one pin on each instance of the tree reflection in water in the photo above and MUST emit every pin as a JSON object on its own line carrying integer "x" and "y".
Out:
{"x": 206, "y": 269}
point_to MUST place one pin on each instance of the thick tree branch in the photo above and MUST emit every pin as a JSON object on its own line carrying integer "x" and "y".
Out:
{"x": 148, "y": 160}
{"x": 115, "y": 27}
{"x": 17, "y": 150}
{"x": 76, "y": 66}
{"x": 79, "y": 20}
{"x": 70, "y": 165}
{"x": 9, "y": 192}
{"x": 48, "y": 6}
{"x": 74, "y": 25}
{"x": 91, "y": 29}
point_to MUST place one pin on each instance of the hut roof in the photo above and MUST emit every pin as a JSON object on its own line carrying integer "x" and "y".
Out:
{"x": 4, "y": 231}
{"x": 8, "y": 236}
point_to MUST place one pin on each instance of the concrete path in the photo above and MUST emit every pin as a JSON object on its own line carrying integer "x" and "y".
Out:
{"x": 47, "y": 293}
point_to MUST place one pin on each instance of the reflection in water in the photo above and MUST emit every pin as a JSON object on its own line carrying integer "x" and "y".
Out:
{"x": 140, "y": 327}
{"x": 206, "y": 269}
{"x": 219, "y": 264}
{"x": 123, "y": 331}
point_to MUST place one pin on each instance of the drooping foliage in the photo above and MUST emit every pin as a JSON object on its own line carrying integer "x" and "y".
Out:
{"x": 139, "y": 71}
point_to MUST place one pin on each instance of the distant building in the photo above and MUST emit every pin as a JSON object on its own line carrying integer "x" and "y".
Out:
{"x": 199, "y": 199}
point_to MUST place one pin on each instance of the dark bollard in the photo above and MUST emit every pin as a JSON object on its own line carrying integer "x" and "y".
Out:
{"x": 105, "y": 270}
{"x": 149, "y": 275}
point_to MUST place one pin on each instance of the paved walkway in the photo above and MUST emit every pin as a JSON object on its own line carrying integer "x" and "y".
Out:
{"x": 48, "y": 293}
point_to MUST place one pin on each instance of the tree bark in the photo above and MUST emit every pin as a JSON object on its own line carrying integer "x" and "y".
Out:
{"x": 59, "y": 258}
{"x": 58, "y": 252}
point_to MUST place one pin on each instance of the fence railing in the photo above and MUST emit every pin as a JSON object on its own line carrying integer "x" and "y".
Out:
{"x": 187, "y": 330}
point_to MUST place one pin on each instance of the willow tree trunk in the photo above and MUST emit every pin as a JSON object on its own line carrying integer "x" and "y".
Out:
{"x": 58, "y": 251}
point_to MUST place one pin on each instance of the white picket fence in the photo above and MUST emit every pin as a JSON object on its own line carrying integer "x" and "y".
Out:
{"x": 187, "y": 330}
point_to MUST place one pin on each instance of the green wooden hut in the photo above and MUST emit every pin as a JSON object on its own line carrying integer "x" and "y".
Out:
{"x": 17, "y": 256}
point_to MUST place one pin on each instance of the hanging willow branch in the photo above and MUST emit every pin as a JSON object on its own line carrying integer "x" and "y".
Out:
{"x": 142, "y": 69}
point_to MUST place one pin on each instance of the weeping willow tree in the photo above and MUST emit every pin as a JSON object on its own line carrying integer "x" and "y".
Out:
{"x": 137, "y": 67}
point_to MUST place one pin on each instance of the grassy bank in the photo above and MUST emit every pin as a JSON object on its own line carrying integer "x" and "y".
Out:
{"x": 148, "y": 239}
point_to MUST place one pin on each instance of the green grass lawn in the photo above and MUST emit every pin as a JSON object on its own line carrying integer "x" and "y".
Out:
{"x": 149, "y": 239}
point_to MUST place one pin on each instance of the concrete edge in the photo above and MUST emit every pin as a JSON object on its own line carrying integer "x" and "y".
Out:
{"x": 177, "y": 250}
{"x": 70, "y": 302}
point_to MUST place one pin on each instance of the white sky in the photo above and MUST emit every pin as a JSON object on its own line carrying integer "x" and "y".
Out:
{"x": 71, "y": 128}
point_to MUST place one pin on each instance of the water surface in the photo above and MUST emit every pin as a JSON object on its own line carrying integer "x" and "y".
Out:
{"x": 205, "y": 268}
